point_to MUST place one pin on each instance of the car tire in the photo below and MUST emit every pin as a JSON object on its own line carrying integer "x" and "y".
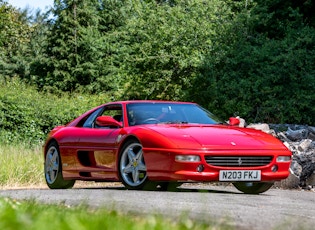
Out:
{"x": 53, "y": 169}
{"x": 252, "y": 187}
{"x": 132, "y": 168}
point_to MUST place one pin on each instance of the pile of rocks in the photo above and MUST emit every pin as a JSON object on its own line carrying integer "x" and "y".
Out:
{"x": 300, "y": 139}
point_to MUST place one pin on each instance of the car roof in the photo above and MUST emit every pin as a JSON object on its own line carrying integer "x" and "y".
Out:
{"x": 149, "y": 101}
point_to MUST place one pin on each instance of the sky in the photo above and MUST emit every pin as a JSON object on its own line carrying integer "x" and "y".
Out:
{"x": 32, "y": 4}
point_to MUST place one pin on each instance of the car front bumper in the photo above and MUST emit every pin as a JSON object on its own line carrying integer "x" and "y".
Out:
{"x": 165, "y": 165}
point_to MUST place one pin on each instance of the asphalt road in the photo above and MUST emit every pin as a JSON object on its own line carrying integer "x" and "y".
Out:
{"x": 274, "y": 209}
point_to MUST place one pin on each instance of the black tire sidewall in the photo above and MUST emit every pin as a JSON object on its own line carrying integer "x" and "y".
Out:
{"x": 256, "y": 188}
{"x": 59, "y": 183}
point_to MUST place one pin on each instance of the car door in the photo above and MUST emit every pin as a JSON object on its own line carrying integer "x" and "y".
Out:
{"x": 96, "y": 147}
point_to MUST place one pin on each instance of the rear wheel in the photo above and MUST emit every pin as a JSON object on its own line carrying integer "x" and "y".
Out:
{"x": 252, "y": 187}
{"x": 53, "y": 169}
{"x": 132, "y": 168}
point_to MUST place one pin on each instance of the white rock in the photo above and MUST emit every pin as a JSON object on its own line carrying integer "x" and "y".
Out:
{"x": 300, "y": 140}
{"x": 242, "y": 122}
{"x": 287, "y": 144}
{"x": 304, "y": 145}
{"x": 263, "y": 127}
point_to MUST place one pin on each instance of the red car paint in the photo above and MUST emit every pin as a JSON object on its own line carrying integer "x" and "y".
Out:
{"x": 93, "y": 153}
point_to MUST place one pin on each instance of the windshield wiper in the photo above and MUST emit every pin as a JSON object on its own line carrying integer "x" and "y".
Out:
{"x": 176, "y": 122}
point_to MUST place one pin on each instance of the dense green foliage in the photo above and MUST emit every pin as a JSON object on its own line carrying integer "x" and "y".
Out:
{"x": 162, "y": 47}
{"x": 27, "y": 115}
{"x": 254, "y": 58}
{"x": 260, "y": 77}
{"x": 15, "y": 35}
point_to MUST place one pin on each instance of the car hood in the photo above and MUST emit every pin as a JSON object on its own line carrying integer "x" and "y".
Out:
{"x": 217, "y": 137}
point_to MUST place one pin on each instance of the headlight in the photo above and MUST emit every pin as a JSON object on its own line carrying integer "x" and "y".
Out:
{"x": 283, "y": 158}
{"x": 187, "y": 158}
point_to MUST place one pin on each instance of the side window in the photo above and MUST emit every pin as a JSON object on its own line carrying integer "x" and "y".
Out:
{"x": 114, "y": 111}
{"x": 90, "y": 120}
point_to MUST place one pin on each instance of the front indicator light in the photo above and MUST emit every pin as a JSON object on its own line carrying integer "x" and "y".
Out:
{"x": 283, "y": 158}
{"x": 187, "y": 158}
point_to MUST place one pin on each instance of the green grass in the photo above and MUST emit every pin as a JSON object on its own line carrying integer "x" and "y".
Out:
{"x": 21, "y": 166}
{"x": 17, "y": 215}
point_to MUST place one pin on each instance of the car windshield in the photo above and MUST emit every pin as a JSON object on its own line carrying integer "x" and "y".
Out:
{"x": 168, "y": 113}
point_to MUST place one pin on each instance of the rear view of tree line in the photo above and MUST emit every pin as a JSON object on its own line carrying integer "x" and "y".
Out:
{"x": 255, "y": 58}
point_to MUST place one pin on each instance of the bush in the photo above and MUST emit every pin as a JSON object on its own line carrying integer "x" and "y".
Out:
{"x": 28, "y": 115}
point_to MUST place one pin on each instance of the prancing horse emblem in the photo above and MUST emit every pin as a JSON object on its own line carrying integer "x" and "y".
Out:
{"x": 239, "y": 161}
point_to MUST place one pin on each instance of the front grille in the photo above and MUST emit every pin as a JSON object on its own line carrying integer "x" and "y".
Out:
{"x": 238, "y": 161}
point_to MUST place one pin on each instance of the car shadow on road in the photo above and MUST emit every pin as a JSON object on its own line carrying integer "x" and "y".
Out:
{"x": 191, "y": 189}
{"x": 204, "y": 190}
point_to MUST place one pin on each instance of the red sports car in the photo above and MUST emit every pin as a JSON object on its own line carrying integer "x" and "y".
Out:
{"x": 159, "y": 145}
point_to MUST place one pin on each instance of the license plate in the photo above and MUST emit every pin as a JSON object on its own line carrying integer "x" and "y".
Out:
{"x": 240, "y": 175}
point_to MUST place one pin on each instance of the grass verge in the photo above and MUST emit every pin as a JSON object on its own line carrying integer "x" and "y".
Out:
{"x": 21, "y": 166}
{"x": 31, "y": 215}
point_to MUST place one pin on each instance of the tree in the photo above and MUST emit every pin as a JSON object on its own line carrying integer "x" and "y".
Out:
{"x": 162, "y": 45}
{"x": 14, "y": 39}
{"x": 264, "y": 75}
{"x": 274, "y": 17}
{"x": 73, "y": 48}
{"x": 77, "y": 55}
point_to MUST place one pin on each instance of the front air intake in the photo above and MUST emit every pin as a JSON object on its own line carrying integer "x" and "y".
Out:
{"x": 238, "y": 161}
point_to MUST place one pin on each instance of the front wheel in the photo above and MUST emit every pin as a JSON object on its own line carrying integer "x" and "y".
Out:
{"x": 252, "y": 187}
{"x": 53, "y": 169}
{"x": 132, "y": 168}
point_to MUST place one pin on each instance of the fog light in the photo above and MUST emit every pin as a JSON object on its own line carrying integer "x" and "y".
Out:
{"x": 200, "y": 168}
{"x": 283, "y": 158}
{"x": 274, "y": 168}
{"x": 187, "y": 158}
